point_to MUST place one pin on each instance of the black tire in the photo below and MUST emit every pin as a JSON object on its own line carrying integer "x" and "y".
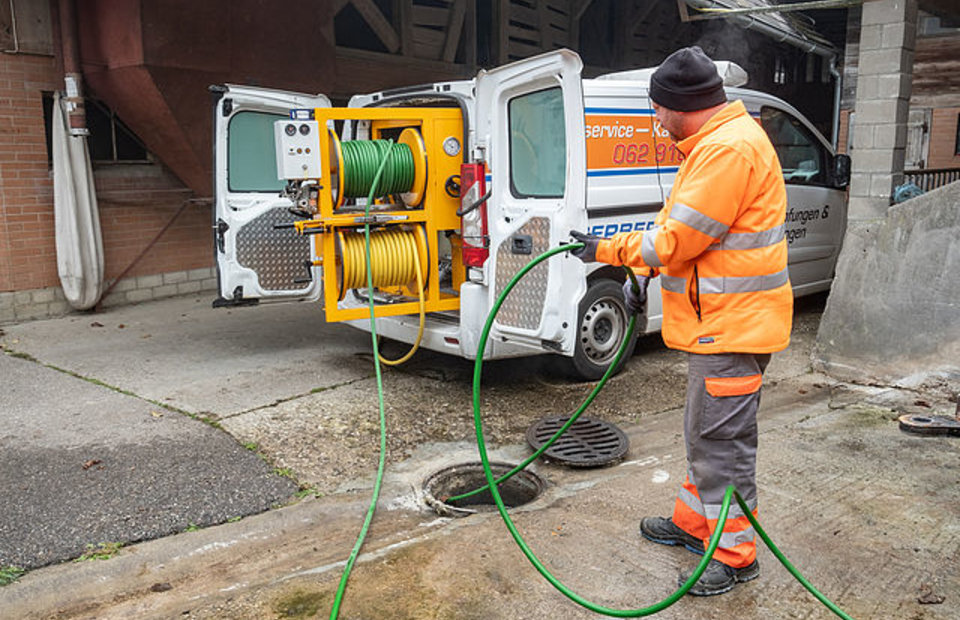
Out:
{"x": 602, "y": 321}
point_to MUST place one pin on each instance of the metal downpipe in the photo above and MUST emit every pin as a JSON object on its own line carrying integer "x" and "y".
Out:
{"x": 837, "y": 93}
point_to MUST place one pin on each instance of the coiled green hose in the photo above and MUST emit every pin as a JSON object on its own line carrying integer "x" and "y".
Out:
{"x": 362, "y": 159}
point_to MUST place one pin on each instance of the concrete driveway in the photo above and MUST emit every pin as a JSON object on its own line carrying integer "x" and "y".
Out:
{"x": 868, "y": 513}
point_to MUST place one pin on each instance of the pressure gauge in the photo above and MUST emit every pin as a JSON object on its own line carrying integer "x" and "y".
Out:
{"x": 451, "y": 146}
{"x": 304, "y": 129}
{"x": 290, "y": 129}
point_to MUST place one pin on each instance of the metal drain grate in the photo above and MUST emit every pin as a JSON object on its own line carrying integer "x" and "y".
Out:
{"x": 587, "y": 443}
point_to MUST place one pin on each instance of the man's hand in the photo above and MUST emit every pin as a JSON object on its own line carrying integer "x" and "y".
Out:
{"x": 635, "y": 299}
{"x": 588, "y": 253}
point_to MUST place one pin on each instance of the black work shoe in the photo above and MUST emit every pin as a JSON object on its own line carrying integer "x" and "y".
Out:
{"x": 664, "y": 531}
{"x": 720, "y": 578}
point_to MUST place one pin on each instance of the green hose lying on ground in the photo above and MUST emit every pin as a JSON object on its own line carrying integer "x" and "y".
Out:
{"x": 492, "y": 482}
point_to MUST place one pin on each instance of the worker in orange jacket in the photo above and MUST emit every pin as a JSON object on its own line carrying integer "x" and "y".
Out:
{"x": 719, "y": 247}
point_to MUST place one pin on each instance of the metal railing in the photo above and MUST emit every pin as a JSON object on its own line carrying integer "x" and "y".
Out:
{"x": 932, "y": 178}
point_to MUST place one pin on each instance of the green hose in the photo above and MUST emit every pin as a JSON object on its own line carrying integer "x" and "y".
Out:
{"x": 492, "y": 486}
{"x": 363, "y": 160}
{"x": 385, "y": 155}
{"x": 341, "y": 588}
{"x": 631, "y": 326}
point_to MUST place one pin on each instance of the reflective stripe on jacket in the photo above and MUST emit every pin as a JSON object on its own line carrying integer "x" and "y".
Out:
{"x": 718, "y": 243}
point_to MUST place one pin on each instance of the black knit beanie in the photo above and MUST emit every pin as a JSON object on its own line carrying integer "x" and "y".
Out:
{"x": 687, "y": 81}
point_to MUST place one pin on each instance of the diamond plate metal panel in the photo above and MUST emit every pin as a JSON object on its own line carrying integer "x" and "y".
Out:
{"x": 277, "y": 255}
{"x": 524, "y": 306}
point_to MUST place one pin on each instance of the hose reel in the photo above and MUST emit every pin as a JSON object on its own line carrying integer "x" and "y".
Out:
{"x": 379, "y": 185}
{"x": 355, "y": 162}
{"x": 395, "y": 255}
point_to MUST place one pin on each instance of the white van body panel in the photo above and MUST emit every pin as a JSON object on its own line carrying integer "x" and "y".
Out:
{"x": 816, "y": 212}
{"x": 253, "y": 256}
{"x": 537, "y": 211}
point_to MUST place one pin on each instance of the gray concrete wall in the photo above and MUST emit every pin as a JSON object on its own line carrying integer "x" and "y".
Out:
{"x": 893, "y": 315}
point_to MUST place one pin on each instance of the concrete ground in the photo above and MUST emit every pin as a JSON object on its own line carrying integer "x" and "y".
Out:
{"x": 868, "y": 514}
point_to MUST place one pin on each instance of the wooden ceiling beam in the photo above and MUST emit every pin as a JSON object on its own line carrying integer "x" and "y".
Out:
{"x": 454, "y": 30}
{"x": 379, "y": 24}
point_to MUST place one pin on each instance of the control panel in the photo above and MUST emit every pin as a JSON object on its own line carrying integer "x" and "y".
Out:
{"x": 298, "y": 149}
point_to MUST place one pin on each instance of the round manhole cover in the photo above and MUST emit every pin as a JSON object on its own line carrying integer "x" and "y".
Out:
{"x": 521, "y": 488}
{"x": 587, "y": 443}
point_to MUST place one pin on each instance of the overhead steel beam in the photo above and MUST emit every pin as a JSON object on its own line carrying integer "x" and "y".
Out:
{"x": 777, "y": 33}
{"x": 717, "y": 12}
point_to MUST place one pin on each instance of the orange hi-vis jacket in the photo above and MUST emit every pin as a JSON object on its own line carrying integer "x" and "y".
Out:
{"x": 718, "y": 243}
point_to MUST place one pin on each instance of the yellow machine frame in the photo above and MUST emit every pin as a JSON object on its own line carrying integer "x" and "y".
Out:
{"x": 436, "y": 212}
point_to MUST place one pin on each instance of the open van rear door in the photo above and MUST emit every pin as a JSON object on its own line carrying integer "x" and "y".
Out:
{"x": 257, "y": 257}
{"x": 530, "y": 131}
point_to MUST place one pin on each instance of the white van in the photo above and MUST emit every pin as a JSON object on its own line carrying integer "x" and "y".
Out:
{"x": 555, "y": 152}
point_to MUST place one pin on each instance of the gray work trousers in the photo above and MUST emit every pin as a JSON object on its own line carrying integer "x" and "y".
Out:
{"x": 720, "y": 431}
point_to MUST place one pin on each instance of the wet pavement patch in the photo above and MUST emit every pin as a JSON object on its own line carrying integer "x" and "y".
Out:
{"x": 301, "y": 604}
{"x": 521, "y": 488}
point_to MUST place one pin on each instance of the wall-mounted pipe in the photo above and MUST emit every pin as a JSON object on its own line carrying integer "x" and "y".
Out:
{"x": 72, "y": 76}
{"x": 837, "y": 94}
{"x": 75, "y": 213}
{"x": 13, "y": 29}
{"x": 749, "y": 22}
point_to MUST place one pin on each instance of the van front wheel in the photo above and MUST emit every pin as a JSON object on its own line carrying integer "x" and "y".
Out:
{"x": 602, "y": 325}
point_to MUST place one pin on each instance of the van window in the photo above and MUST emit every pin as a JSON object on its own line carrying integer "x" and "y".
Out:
{"x": 538, "y": 145}
{"x": 251, "y": 153}
{"x": 802, "y": 156}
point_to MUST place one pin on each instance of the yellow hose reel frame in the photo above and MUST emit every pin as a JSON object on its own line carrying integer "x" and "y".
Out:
{"x": 405, "y": 229}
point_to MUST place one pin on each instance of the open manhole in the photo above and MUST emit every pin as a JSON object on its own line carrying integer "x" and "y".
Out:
{"x": 521, "y": 488}
{"x": 587, "y": 443}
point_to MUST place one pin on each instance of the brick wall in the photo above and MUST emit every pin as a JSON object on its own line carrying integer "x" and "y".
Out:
{"x": 943, "y": 138}
{"x": 27, "y": 254}
{"x": 136, "y": 202}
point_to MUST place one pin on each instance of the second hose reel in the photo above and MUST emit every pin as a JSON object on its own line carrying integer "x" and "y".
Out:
{"x": 395, "y": 255}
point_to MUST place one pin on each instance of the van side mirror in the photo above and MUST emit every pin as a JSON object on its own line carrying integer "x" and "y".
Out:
{"x": 841, "y": 171}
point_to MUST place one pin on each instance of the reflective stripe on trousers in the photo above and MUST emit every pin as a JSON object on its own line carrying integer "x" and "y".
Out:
{"x": 720, "y": 430}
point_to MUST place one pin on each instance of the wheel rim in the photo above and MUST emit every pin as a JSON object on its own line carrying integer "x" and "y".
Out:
{"x": 602, "y": 329}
